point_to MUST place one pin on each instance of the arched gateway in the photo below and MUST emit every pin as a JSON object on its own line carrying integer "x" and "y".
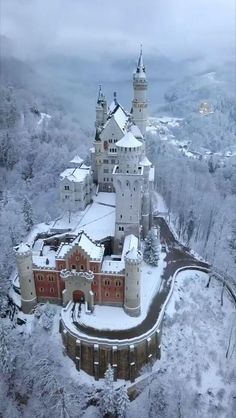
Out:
{"x": 78, "y": 296}
{"x": 78, "y": 287}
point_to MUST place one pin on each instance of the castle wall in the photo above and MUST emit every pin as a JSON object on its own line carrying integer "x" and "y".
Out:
{"x": 127, "y": 360}
{"x": 48, "y": 285}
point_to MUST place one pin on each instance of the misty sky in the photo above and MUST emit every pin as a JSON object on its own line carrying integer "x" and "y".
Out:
{"x": 91, "y": 28}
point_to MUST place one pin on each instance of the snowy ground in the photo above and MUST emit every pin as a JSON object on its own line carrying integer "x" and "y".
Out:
{"x": 193, "y": 378}
{"x": 111, "y": 318}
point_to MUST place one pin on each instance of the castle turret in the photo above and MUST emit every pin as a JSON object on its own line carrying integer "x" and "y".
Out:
{"x": 101, "y": 110}
{"x": 139, "y": 103}
{"x": 25, "y": 271}
{"x": 133, "y": 260}
{"x": 128, "y": 180}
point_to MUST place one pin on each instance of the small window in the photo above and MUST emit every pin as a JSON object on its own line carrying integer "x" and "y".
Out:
{"x": 118, "y": 283}
{"x": 67, "y": 188}
{"x": 120, "y": 216}
{"x": 51, "y": 279}
{"x": 95, "y": 293}
{"x": 41, "y": 289}
{"x": 107, "y": 294}
{"x": 73, "y": 267}
{"x": 51, "y": 290}
{"x": 29, "y": 280}
{"x": 40, "y": 278}
{"x": 81, "y": 267}
{"x": 117, "y": 295}
{"x": 94, "y": 282}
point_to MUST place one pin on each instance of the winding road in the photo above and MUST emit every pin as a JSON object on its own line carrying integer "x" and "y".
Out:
{"x": 177, "y": 257}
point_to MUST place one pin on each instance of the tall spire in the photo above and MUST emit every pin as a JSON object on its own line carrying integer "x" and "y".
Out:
{"x": 100, "y": 95}
{"x": 140, "y": 66}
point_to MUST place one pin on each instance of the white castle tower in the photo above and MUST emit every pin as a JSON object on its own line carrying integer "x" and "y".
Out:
{"x": 26, "y": 278}
{"x": 139, "y": 103}
{"x": 133, "y": 260}
{"x": 128, "y": 179}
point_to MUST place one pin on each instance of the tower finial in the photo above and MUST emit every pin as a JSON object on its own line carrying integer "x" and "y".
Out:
{"x": 140, "y": 66}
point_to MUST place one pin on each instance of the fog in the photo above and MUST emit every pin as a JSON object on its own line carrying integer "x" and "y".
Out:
{"x": 95, "y": 28}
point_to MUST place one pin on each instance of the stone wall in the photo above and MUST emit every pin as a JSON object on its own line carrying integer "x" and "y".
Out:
{"x": 126, "y": 359}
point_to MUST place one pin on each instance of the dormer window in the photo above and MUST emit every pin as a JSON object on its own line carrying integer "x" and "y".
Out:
{"x": 67, "y": 188}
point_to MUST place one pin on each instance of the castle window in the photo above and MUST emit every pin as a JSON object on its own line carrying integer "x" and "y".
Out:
{"x": 67, "y": 188}
{"x": 118, "y": 295}
{"x": 105, "y": 161}
{"x": 77, "y": 258}
{"x": 81, "y": 267}
{"x": 137, "y": 282}
{"x": 40, "y": 277}
{"x": 73, "y": 267}
{"x": 118, "y": 283}
{"x": 51, "y": 290}
{"x": 51, "y": 279}
{"x": 29, "y": 280}
{"x": 107, "y": 294}
{"x": 106, "y": 170}
{"x": 41, "y": 289}
{"x": 137, "y": 295}
{"x": 94, "y": 282}
{"x": 107, "y": 282}
{"x": 104, "y": 179}
{"x": 66, "y": 196}
{"x": 120, "y": 216}
{"x": 95, "y": 293}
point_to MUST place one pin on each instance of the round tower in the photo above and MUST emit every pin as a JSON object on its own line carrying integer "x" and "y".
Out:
{"x": 25, "y": 271}
{"x": 127, "y": 180}
{"x": 129, "y": 151}
{"x": 133, "y": 260}
{"x": 139, "y": 103}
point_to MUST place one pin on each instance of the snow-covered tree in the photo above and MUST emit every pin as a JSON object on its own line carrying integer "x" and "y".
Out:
{"x": 151, "y": 248}
{"x": 7, "y": 355}
{"x": 122, "y": 402}
{"x": 47, "y": 316}
{"x": 107, "y": 400}
{"x": 28, "y": 214}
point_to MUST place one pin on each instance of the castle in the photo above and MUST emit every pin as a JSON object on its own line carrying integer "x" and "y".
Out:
{"x": 96, "y": 259}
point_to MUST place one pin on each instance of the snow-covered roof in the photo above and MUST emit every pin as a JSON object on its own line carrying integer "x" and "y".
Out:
{"x": 77, "y": 160}
{"x": 131, "y": 241}
{"x": 76, "y": 175}
{"x": 112, "y": 266}
{"x": 145, "y": 162}
{"x": 136, "y": 131}
{"x": 129, "y": 141}
{"x": 121, "y": 118}
{"x": 22, "y": 248}
{"x": 47, "y": 261}
{"x": 93, "y": 250}
{"x": 133, "y": 254}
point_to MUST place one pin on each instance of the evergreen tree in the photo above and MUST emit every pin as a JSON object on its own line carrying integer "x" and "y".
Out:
{"x": 151, "y": 248}
{"x": 28, "y": 214}
{"x": 108, "y": 395}
{"x": 122, "y": 402}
